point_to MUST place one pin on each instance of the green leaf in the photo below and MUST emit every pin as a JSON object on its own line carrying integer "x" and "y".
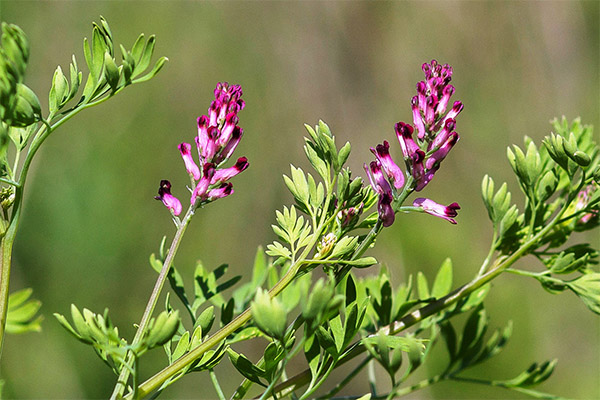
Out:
{"x": 205, "y": 319}
{"x": 473, "y": 332}
{"x": 422, "y": 286}
{"x": 443, "y": 280}
{"x": 146, "y": 56}
{"x": 245, "y": 367}
{"x": 343, "y": 154}
{"x": 449, "y": 335}
{"x": 343, "y": 246}
{"x": 111, "y": 71}
{"x": 326, "y": 341}
{"x": 535, "y": 374}
{"x": 155, "y": 70}
{"x": 182, "y": 346}
{"x": 98, "y": 49}
{"x": 138, "y": 48}
{"x": 312, "y": 354}
{"x": 547, "y": 186}
{"x": 587, "y": 287}
{"x": 22, "y": 313}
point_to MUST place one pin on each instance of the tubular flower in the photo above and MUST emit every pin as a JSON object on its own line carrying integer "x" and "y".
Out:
{"x": 394, "y": 173}
{"x": 170, "y": 201}
{"x": 383, "y": 188}
{"x": 423, "y": 152}
{"x": 218, "y": 136}
{"x": 439, "y": 210}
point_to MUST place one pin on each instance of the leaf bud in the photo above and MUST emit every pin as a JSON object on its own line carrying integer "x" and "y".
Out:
{"x": 111, "y": 71}
{"x": 581, "y": 158}
{"x": 15, "y": 47}
{"x": 162, "y": 329}
{"x": 29, "y": 96}
{"x": 546, "y": 186}
{"x": 269, "y": 315}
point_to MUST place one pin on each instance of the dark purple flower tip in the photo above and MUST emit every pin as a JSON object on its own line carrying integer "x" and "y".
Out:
{"x": 457, "y": 107}
{"x": 241, "y": 164}
{"x": 203, "y": 122}
{"x": 438, "y": 210}
{"x": 222, "y": 191}
{"x": 225, "y": 174}
{"x": 170, "y": 201}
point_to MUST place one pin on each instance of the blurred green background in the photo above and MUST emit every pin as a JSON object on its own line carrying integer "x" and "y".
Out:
{"x": 90, "y": 221}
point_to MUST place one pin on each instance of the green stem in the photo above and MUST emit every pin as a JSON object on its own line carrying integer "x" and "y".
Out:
{"x": 432, "y": 308}
{"x": 161, "y": 377}
{"x": 347, "y": 379}
{"x": 417, "y": 386}
{"x": 160, "y": 281}
{"x": 215, "y": 382}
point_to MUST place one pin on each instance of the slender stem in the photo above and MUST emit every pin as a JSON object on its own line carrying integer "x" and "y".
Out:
{"x": 215, "y": 382}
{"x": 347, "y": 379}
{"x": 432, "y": 308}
{"x": 159, "y": 378}
{"x": 5, "y": 260}
{"x": 487, "y": 260}
{"x": 529, "y": 392}
{"x": 160, "y": 281}
{"x": 417, "y": 386}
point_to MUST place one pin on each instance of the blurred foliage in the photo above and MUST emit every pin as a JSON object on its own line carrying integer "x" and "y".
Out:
{"x": 90, "y": 221}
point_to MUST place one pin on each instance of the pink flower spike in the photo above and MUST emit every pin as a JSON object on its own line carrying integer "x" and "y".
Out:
{"x": 438, "y": 210}
{"x": 394, "y": 173}
{"x": 186, "y": 153}
{"x": 222, "y": 191}
{"x": 417, "y": 119}
{"x": 170, "y": 201}
{"x": 225, "y": 174}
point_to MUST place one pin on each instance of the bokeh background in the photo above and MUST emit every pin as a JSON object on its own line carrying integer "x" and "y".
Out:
{"x": 90, "y": 221}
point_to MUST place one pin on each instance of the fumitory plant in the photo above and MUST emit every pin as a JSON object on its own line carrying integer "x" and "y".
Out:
{"x": 24, "y": 127}
{"x": 304, "y": 297}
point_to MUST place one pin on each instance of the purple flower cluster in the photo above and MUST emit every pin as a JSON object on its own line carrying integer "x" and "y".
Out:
{"x": 218, "y": 136}
{"x": 424, "y": 153}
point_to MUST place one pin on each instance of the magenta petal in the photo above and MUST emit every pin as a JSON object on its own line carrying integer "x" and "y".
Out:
{"x": 225, "y": 174}
{"x": 229, "y": 148}
{"x": 223, "y": 191}
{"x": 202, "y": 186}
{"x": 417, "y": 119}
{"x": 382, "y": 152}
{"x": 186, "y": 153}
